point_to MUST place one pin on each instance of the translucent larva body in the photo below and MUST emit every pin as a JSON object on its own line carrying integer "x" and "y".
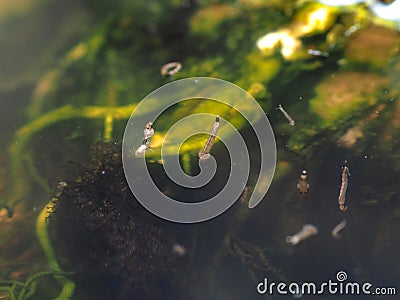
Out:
{"x": 287, "y": 116}
{"x": 338, "y": 228}
{"x": 307, "y": 231}
{"x": 148, "y": 134}
{"x": 343, "y": 188}
{"x": 205, "y": 152}
{"x": 170, "y": 69}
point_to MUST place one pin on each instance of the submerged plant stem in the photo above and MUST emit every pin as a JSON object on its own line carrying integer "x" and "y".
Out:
{"x": 108, "y": 127}
{"x": 23, "y": 136}
{"x": 68, "y": 286}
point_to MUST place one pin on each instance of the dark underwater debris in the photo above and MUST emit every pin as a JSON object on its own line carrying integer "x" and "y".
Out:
{"x": 116, "y": 246}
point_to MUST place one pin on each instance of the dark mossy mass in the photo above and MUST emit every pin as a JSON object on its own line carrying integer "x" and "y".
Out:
{"x": 106, "y": 235}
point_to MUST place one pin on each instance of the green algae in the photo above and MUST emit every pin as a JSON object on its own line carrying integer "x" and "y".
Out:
{"x": 104, "y": 76}
{"x": 373, "y": 46}
{"x": 282, "y": 169}
{"x": 346, "y": 94}
{"x": 207, "y": 20}
{"x": 259, "y": 69}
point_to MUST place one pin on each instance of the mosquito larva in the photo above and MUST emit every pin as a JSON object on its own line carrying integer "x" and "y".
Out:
{"x": 307, "y": 231}
{"x": 338, "y": 228}
{"x": 317, "y": 53}
{"x": 205, "y": 152}
{"x": 170, "y": 69}
{"x": 148, "y": 134}
{"x": 302, "y": 184}
{"x": 289, "y": 118}
{"x": 343, "y": 188}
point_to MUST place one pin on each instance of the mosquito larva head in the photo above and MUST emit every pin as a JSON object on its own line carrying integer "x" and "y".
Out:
{"x": 292, "y": 239}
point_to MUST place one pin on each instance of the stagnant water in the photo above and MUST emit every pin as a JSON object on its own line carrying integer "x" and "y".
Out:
{"x": 232, "y": 254}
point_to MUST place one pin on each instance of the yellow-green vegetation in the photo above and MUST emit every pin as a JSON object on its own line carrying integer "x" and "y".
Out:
{"x": 257, "y": 90}
{"x": 302, "y": 141}
{"x": 282, "y": 169}
{"x": 373, "y": 46}
{"x": 210, "y": 66}
{"x": 18, "y": 290}
{"x": 18, "y": 159}
{"x": 345, "y": 94}
{"x": 97, "y": 77}
{"x": 313, "y": 18}
{"x": 309, "y": 20}
{"x": 68, "y": 286}
{"x": 106, "y": 74}
{"x": 194, "y": 144}
{"x": 259, "y": 69}
{"x": 206, "y": 20}
{"x": 12, "y": 8}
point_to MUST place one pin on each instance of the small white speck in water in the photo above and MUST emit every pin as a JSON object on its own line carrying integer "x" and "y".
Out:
{"x": 178, "y": 249}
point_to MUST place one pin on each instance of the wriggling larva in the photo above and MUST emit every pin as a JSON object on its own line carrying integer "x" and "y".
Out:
{"x": 287, "y": 116}
{"x": 343, "y": 189}
{"x": 307, "y": 231}
{"x": 338, "y": 228}
{"x": 204, "y": 153}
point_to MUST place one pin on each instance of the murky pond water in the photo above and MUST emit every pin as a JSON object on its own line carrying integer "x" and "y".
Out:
{"x": 71, "y": 76}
